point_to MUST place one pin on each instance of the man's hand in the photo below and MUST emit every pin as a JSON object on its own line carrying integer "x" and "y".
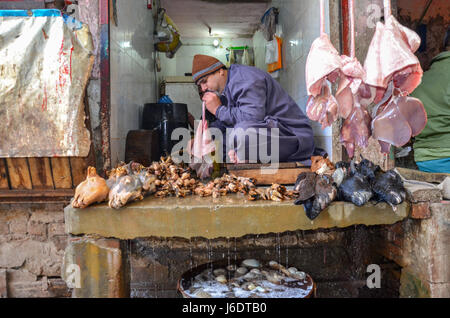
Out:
{"x": 212, "y": 102}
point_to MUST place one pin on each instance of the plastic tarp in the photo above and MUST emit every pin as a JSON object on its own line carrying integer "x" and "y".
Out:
{"x": 44, "y": 69}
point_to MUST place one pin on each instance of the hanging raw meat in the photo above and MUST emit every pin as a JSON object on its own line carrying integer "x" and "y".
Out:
{"x": 352, "y": 75}
{"x": 391, "y": 57}
{"x": 92, "y": 190}
{"x": 349, "y": 83}
{"x": 323, "y": 66}
{"x": 402, "y": 118}
{"x": 323, "y": 108}
{"x": 393, "y": 69}
{"x": 356, "y": 127}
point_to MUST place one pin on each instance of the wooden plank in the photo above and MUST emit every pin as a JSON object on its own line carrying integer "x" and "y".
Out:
{"x": 250, "y": 166}
{"x": 61, "y": 173}
{"x": 3, "y": 175}
{"x": 41, "y": 173}
{"x": 19, "y": 173}
{"x": 280, "y": 176}
{"x": 78, "y": 166}
{"x": 412, "y": 174}
{"x": 37, "y": 193}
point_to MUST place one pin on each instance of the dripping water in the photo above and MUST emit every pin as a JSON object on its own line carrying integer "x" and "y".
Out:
{"x": 190, "y": 259}
{"x": 154, "y": 269}
{"x": 278, "y": 248}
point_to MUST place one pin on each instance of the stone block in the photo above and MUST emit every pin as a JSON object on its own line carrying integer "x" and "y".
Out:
{"x": 57, "y": 287}
{"x": 420, "y": 210}
{"x": 425, "y": 195}
{"x": 439, "y": 267}
{"x": 50, "y": 207}
{"x": 56, "y": 229}
{"x": 3, "y": 284}
{"x": 96, "y": 268}
{"x": 39, "y": 258}
{"x": 266, "y": 240}
{"x": 60, "y": 242}
{"x": 24, "y": 284}
{"x": 413, "y": 286}
{"x": 4, "y": 228}
{"x": 43, "y": 216}
{"x": 18, "y": 222}
{"x": 314, "y": 238}
{"x": 248, "y": 241}
{"x": 148, "y": 273}
{"x": 440, "y": 290}
{"x": 178, "y": 243}
{"x": 36, "y": 289}
{"x": 233, "y": 216}
{"x": 289, "y": 239}
{"x": 35, "y": 228}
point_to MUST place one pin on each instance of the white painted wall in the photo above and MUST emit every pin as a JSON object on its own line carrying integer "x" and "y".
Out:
{"x": 182, "y": 61}
{"x": 132, "y": 71}
{"x": 299, "y": 21}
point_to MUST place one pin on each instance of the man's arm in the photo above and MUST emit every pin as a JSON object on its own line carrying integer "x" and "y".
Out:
{"x": 250, "y": 98}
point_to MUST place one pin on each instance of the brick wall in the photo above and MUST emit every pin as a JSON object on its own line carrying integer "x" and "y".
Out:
{"x": 32, "y": 243}
{"x": 421, "y": 247}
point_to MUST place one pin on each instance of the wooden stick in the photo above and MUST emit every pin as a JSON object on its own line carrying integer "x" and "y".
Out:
{"x": 352, "y": 27}
{"x": 387, "y": 9}
{"x": 322, "y": 17}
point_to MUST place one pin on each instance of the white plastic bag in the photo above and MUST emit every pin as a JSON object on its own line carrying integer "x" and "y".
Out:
{"x": 271, "y": 51}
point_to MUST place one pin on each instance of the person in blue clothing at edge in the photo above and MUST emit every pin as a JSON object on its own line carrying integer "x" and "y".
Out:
{"x": 432, "y": 145}
{"x": 244, "y": 97}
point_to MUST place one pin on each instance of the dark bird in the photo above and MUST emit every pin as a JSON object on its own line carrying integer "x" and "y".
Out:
{"x": 356, "y": 186}
{"x": 304, "y": 185}
{"x": 388, "y": 187}
{"x": 316, "y": 192}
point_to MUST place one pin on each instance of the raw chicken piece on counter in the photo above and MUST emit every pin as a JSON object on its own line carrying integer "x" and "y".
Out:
{"x": 92, "y": 190}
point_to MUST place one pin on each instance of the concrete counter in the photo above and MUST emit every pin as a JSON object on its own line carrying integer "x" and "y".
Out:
{"x": 228, "y": 216}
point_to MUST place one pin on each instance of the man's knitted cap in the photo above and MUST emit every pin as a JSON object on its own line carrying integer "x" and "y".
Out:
{"x": 203, "y": 65}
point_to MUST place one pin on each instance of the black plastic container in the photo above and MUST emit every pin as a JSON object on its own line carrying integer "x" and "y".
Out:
{"x": 165, "y": 118}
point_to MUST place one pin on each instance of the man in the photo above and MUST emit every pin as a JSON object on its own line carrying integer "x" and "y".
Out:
{"x": 246, "y": 100}
{"x": 432, "y": 145}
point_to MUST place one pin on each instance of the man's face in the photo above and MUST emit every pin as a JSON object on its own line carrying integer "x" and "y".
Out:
{"x": 212, "y": 82}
